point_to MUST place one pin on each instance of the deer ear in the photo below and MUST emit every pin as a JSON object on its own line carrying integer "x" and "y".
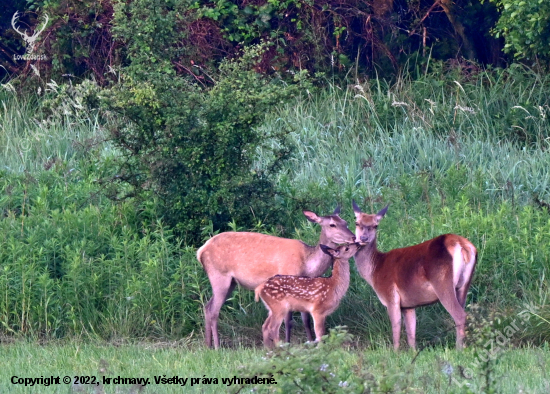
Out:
{"x": 356, "y": 208}
{"x": 312, "y": 217}
{"x": 328, "y": 250}
{"x": 337, "y": 210}
{"x": 382, "y": 212}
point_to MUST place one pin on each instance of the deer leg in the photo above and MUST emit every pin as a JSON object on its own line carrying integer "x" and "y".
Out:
{"x": 319, "y": 326}
{"x": 307, "y": 325}
{"x": 268, "y": 341}
{"x": 274, "y": 326}
{"x": 222, "y": 287}
{"x": 394, "y": 311}
{"x": 288, "y": 326}
{"x": 448, "y": 298}
{"x": 410, "y": 326}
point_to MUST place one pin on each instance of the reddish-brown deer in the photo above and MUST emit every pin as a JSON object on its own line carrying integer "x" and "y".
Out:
{"x": 250, "y": 259}
{"x": 440, "y": 269}
{"x": 282, "y": 294}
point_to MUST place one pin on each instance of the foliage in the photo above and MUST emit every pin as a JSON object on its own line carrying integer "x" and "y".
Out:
{"x": 77, "y": 41}
{"x": 316, "y": 367}
{"x": 68, "y": 101}
{"x": 194, "y": 147}
{"x": 525, "y": 26}
{"x": 154, "y": 48}
{"x": 191, "y": 37}
{"x": 81, "y": 38}
{"x": 76, "y": 264}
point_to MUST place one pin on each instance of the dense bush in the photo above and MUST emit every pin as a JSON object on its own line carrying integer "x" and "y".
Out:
{"x": 187, "y": 37}
{"x": 525, "y": 25}
{"x": 194, "y": 147}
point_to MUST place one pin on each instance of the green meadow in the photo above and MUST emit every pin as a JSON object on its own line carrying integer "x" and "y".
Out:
{"x": 94, "y": 285}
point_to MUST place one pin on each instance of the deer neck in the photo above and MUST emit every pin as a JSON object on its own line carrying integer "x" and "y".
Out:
{"x": 318, "y": 261}
{"x": 340, "y": 278}
{"x": 366, "y": 259}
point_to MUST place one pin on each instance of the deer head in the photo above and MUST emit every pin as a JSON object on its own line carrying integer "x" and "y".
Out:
{"x": 333, "y": 227}
{"x": 366, "y": 225}
{"x": 29, "y": 40}
{"x": 342, "y": 252}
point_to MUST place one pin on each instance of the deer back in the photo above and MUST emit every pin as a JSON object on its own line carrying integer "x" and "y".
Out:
{"x": 252, "y": 258}
{"x": 413, "y": 271}
{"x": 305, "y": 294}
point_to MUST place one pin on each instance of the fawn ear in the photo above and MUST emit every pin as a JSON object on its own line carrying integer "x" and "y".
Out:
{"x": 329, "y": 251}
{"x": 312, "y": 216}
{"x": 382, "y": 212}
{"x": 337, "y": 210}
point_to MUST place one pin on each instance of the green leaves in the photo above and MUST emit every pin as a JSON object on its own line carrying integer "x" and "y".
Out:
{"x": 74, "y": 262}
{"x": 194, "y": 147}
{"x": 318, "y": 368}
{"x": 525, "y": 26}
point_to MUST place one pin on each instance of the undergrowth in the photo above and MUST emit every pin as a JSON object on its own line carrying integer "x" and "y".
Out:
{"x": 465, "y": 154}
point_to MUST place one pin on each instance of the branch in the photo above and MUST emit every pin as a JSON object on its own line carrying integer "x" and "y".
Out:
{"x": 437, "y": 2}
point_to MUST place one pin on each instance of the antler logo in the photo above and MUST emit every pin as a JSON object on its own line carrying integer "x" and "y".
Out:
{"x": 29, "y": 40}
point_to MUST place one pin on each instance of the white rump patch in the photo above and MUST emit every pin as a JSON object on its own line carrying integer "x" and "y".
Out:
{"x": 458, "y": 266}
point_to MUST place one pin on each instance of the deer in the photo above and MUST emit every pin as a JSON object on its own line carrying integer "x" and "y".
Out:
{"x": 283, "y": 294}
{"x": 439, "y": 269}
{"x": 250, "y": 259}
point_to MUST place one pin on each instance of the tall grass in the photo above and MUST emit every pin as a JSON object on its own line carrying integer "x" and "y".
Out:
{"x": 88, "y": 266}
{"x": 32, "y": 139}
{"x": 493, "y": 130}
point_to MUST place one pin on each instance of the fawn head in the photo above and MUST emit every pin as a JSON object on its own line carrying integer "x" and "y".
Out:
{"x": 343, "y": 252}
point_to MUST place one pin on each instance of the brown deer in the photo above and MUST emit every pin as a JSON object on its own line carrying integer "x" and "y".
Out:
{"x": 440, "y": 269}
{"x": 250, "y": 259}
{"x": 282, "y": 294}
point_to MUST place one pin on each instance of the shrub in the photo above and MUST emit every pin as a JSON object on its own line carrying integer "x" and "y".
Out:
{"x": 194, "y": 147}
{"x": 316, "y": 368}
{"x": 525, "y": 26}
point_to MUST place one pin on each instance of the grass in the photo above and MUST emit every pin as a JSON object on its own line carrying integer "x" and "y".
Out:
{"x": 354, "y": 141}
{"x": 517, "y": 370}
{"x": 468, "y": 156}
{"x": 33, "y": 139}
